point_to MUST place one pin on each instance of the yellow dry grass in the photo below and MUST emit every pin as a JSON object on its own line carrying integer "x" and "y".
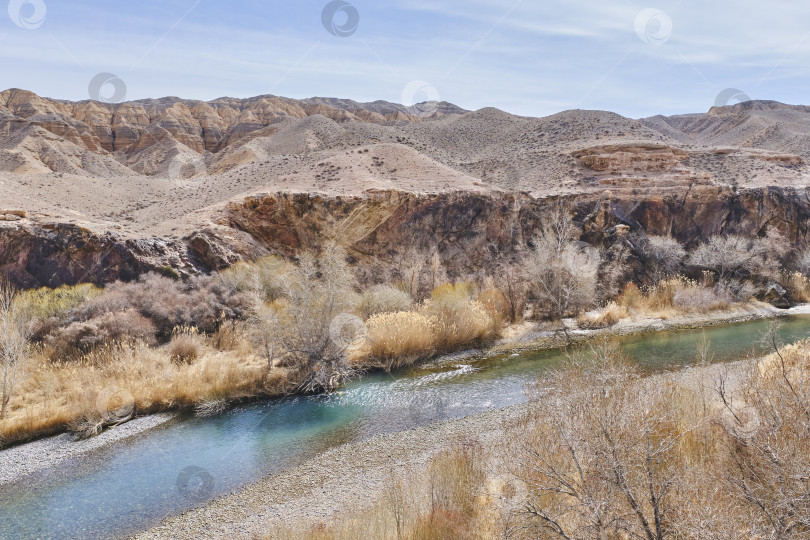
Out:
{"x": 52, "y": 397}
{"x": 671, "y": 297}
{"x": 399, "y": 338}
{"x": 611, "y": 314}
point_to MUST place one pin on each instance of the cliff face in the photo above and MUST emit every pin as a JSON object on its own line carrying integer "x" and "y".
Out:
{"x": 474, "y": 232}
{"x": 471, "y": 231}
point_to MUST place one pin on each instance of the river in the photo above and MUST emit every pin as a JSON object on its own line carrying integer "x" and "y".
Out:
{"x": 131, "y": 485}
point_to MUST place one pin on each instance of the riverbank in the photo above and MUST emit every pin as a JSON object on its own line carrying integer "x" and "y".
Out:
{"x": 18, "y": 461}
{"x": 525, "y": 337}
{"x": 348, "y": 480}
{"x": 351, "y": 476}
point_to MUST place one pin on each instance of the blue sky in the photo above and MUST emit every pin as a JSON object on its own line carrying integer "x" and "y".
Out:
{"x": 527, "y": 57}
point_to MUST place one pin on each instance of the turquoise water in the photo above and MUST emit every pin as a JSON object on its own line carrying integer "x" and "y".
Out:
{"x": 131, "y": 485}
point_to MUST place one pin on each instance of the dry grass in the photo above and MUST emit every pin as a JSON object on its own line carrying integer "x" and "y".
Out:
{"x": 398, "y": 339}
{"x": 680, "y": 295}
{"x": 383, "y": 299}
{"x": 611, "y": 314}
{"x": 456, "y": 319}
{"x": 51, "y": 397}
{"x": 97, "y": 342}
{"x": 184, "y": 348}
{"x": 496, "y": 306}
{"x": 451, "y": 319}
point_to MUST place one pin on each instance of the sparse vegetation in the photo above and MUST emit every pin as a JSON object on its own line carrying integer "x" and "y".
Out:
{"x": 604, "y": 452}
{"x": 445, "y": 499}
{"x": 311, "y": 325}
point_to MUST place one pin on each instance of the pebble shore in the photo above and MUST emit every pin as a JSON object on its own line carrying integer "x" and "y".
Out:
{"x": 18, "y": 461}
{"x": 349, "y": 476}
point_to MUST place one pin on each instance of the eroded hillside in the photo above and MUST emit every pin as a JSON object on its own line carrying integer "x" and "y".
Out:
{"x": 97, "y": 192}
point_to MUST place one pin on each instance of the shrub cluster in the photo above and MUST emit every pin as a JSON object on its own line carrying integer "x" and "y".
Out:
{"x": 450, "y": 319}
{"x": 383, "y": 299}
{"x": 148, "y": 309}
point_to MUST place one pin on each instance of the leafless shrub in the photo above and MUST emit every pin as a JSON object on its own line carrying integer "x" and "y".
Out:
{"x": 15, "y": 332}
{"x": 736, "y": 290}
{"x": 201, "y": 302}
{"x": 662, "y": 255}
{"x": 383, "y": 299}
{"x": 697, "y": 298}
{"x": 77, "y": 338}
{"x": 599, "y": 458}
{"x": 777, "y": 247}
{"x": 263, "y": 279}
{"x": 615, "y": 271}
{"x": 511, "y": 281}
{"x": 419, "y": 272}
{"x": 437, "y": 274}
{"x": 317, "y": 291}
{"x": 731, "y": 256}
{"x": 768, "y": 437}
{"x": 562, "y": 271}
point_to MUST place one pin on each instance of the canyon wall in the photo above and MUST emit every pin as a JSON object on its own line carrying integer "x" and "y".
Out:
{"x": 472, "y": 232}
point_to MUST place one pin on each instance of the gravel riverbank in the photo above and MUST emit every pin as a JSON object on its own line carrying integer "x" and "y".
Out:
{"x": 349, "y": 476}
{"x": 18, "y": 461}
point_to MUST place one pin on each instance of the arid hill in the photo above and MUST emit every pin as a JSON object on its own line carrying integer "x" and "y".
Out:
{"x": 96, "y": 191}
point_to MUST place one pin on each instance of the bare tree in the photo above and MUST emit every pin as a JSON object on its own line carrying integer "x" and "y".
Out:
{"x": 317, "y": 291}
{"x": 662, "y": 255}
{"x": 598, "y": 465}
{"x": 512, "y": 283}
{"x": 562, "y": 270}
{"x": 731, "y": 256}
{"x": 14, "y": 336}
{"x": 768, "y": 437}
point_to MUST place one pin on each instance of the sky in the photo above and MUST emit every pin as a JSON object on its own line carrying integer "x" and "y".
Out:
{"x": 527, "y": 57}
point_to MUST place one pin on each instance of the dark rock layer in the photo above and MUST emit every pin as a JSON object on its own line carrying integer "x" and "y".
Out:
{"x": 472, "y": 232}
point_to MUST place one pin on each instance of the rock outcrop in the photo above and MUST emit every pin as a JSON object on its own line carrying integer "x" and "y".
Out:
{"x": 617, "y": 159}
{"x": 472, "y": 232}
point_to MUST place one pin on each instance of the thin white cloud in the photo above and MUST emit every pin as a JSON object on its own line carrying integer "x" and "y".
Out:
{"x": 541, "y": 57}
